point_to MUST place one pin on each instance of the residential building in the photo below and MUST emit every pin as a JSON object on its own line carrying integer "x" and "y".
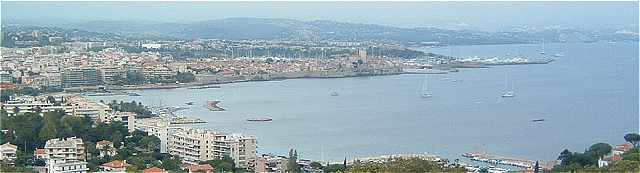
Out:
{"x": 110, "y": 74}
{"x": 206, "y": 168}
{"x": 106, "y": 148}
{"x": 68, "y": 148}
{"x": 194, "y": 145}
{"x": 158, "y": 127}
{"x": 154, "y": 170}
{"x": 128, "y": 118}
{"x": 39, "y": 153}
{"x": 28, "y": 104}
{"x": 114, "y": 166}
{"x": 8, "y": 152}
{"x": 62, "y": 165}
{"x": 159, "y": 72}
{"x": 80, "y": 76}
{"x": 81, "y": 106}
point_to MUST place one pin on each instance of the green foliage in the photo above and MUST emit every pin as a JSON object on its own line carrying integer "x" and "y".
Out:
{"x": 334, "y": 168}
{"x": 226, "y": 164}
{"x": 598, "y": 150}
{"x": 21, "y": 129}
{"x": 133, "y": 106}
{"x": 403, "y": 165}
{"x": 130, "y": 78}
{"x": 292, "y": 162}
{"x": 633, "y": 138}
{"x": 185, "y": 77}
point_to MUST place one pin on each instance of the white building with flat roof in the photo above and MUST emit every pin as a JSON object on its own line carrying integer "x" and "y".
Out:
{"x": 69, "y": 148}
{"x": 8, "y": 152}
{"x": 195, "y": 145}
{"x": 61, "y": 165}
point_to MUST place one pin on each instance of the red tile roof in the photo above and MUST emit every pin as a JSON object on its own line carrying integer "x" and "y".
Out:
{"x": 39, "y": 151}
{"x": 103, "y": 142}
{"x": 116, "y": 164}
{"x": 624, "y": 147}
{"x": 613, "y": 158}
{"x": 203, "y": 167}
{"x": 153, "y": 170}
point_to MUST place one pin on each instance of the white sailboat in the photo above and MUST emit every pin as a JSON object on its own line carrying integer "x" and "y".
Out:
{"x": 507, "y": 92}
{"x": 425, "y": 88}
{"x": 542, "y": 51}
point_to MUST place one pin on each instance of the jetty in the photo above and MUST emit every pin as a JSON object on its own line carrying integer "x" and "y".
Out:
{"x": 212, "y": 105}
{"x": 510, "y": 161}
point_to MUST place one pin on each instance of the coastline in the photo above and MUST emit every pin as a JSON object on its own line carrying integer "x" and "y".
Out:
{"x": 209, "y": 81}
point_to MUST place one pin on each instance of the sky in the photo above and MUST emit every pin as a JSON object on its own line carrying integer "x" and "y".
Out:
{"x": 489, "y": 16}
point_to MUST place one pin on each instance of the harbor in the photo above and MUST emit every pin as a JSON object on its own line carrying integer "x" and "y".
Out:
{"x": 507, "y": 161}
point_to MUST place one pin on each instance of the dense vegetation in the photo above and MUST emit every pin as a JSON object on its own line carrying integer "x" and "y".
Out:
{"x": 588, "y": 160}
{"x": 226, "y": 164}
{"x": 6, "y": 93}
{"x": 30, "y": 131}
{"x": 133, "y": 106}
{"x": 403, "y": 165}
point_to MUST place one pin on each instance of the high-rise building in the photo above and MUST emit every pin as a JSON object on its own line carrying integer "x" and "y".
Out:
{"x": 194, "y": 145}
{"x": 80, "y": 76}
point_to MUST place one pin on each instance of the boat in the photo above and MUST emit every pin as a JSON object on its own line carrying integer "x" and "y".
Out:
{"x": 133, "y": 94}
{"x": 507, "y": 92}
{"x": 334, "y": 93}
{"x": 542, "y": 51}
{"x": 190, "y": 103}
{"x": 259, "y": 119}
{"x": 558, "y": 55}
{"x": 425, "y": 88}
{"x": 538, "y": 120}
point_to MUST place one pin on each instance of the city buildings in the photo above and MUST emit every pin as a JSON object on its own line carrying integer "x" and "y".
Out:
{"x": 194, "y": 145}
{"x": 67, "y": 148}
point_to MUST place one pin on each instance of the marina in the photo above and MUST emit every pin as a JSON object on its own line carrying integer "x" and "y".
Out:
{"x": 305, "y": 116}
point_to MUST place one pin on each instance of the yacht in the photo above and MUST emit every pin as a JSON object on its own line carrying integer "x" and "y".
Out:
{"x": 425, "y": 88}
{"x": 507, "y": 92}
{"x": 334, "y": 93}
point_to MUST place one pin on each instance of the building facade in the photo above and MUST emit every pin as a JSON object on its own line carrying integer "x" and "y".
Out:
{"x": 68, "y": 148}
{"x": 194, "y": 145}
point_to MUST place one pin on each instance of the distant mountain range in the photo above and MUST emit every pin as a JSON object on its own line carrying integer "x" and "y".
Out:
{"x": 288, "y": 29}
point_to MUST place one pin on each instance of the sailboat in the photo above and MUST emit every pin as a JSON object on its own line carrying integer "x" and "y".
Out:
{"x": 425, "y": 88}
{"x": 542, "y": 51}
{"x": 507, "y": 92}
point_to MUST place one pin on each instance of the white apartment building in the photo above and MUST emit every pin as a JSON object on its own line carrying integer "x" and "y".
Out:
{"x": 8, "y": 152}
{"x": 60, "y": 165}
{"x": 30, "y": 104}
{"x": 194, "y": 145}
{"x": 81, "y": 106}
{"x": 128, "y": 118}
{"x": 69, "y": 148}
{"x": 158, "y": 127}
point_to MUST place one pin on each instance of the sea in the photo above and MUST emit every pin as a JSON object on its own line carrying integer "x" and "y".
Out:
{"x": 587, "y": 95}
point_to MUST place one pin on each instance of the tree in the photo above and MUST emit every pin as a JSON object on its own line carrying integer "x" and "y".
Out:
{"x": 292, "y": 162}
{"x": 598, "y": 150}
{"x": 633, "y": 138}
{"x": 185, "y": 77}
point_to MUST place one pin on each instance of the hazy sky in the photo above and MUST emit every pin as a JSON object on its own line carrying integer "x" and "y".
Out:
{"x": 471, "y": 15}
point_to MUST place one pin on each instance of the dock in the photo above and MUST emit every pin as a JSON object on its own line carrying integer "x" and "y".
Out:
{"x": 509, "y": 161}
